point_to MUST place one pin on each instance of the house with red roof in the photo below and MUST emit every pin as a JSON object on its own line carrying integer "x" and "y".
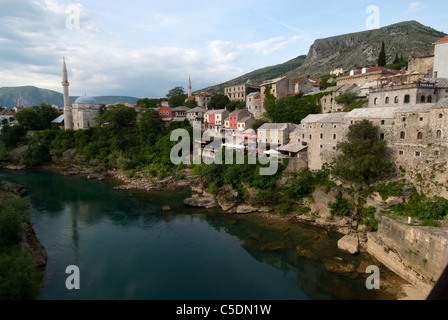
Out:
{"x": 441, "y": 58}
{"x": 366, "y": 75}
{"x": 165, "y": 113}
{"x": 306, "y": 85}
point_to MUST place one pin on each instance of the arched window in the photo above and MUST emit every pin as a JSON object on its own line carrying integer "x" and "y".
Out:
{"x": 376, "y": 101}
{"x": 419, "y": 136}
{"x": 429, "y": 99}
{"x": 321, "y": 135}
{"x": 407, "y": 98}
{"x": 403, "y": 135}
{"x": 439, "y": 134}
{"x": 387, "y": 100}
{"x": 397, "y": 99}
{"x": 423, "y": 99}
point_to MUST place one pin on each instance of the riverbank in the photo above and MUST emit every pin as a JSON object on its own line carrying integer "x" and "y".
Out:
{"x": 354, "y": 234}
{"x": 20, "y": 235}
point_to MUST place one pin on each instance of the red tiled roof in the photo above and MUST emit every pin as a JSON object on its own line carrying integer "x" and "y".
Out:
{"x": 371, "y": 70}
{"x": 445, "y": 39}
{"x": 191, "y": 98}
{"x": 298, "y": 79}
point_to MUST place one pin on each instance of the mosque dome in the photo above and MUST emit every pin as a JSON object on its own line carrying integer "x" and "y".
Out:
{"x": 86, "y": 100}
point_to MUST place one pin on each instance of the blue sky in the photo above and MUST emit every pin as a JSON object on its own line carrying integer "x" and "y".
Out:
{"x": 145, "y": 48}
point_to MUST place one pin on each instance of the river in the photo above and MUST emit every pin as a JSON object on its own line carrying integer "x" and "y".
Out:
{"x": 126, "y": 248}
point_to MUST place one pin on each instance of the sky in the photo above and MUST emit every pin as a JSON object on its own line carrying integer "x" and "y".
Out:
{"x": 145, "y": 48}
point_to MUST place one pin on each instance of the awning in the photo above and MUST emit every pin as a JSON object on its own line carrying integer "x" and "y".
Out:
{"x": 292, "y": 147}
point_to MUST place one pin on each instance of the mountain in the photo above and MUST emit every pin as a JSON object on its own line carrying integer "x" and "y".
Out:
{"x": 260, "y": 75}
{"x": 363, "y": 48}
{"x": 349, "y": 51}
{"x": 29, "y": 96}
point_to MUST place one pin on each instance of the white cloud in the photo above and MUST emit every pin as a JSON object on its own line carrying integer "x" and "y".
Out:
{"x": 415, "y": 7}
{"x": 270, "y": 45}
{"x": 223, "y": 52}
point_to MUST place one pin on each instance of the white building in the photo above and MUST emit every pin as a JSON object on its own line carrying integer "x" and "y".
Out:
{"x": 441, "y": 58}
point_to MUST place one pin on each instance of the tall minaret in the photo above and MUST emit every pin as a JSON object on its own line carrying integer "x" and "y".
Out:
{"x": 68, "y": 119}
{"x": 189, "y": 86}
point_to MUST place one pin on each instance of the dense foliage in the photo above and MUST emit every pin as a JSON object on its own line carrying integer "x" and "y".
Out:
{"x": 363, "y": 155}
{"x": 18, "y": 279}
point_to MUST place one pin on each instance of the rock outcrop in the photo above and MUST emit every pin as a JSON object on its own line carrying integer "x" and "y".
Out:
{"x": 13, "y": 188}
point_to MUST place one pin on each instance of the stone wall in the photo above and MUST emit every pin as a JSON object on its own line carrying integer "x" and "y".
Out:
{"x": 417, "y": 254}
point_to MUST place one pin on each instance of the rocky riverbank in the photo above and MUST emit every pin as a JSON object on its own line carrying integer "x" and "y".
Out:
{"x": 356, "y": 238}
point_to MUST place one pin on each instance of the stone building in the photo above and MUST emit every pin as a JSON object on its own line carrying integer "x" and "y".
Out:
{"x": 422, "y": 65}
{"x": 425, "y": 91}
{"x": 241, "y": 91}
{"x": 321, "y": 134}
{"x": 280, "y": 88}
{"x": 254, "y": 105}
{"x": 305, "y": 85}
{"x": 275, "y": 133}
{"x": 441, "y": 58}
{"x": 328, "y": 100}
{"x": 364, "y": 75}
{"x": 416, "y": 134}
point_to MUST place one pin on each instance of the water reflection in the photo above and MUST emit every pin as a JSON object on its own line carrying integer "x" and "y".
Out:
{"x": 182, "y": 253}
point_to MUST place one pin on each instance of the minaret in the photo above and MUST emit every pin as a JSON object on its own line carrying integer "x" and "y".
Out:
{"x": 189, "y": 86}
{"x": 68, "y": 119}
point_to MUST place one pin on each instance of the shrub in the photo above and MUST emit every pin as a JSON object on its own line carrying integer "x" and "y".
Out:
{"x": 340, "y": 207}
{"x": 283, "y": 209}
{"x": 13, "y": 214}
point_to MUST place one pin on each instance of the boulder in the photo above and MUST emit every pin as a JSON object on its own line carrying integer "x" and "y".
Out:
{"x": 227, "y": 199}
{"x": 393, "y": 201}
{"x": 13, "y": 188}
{"x": 201, "y": 202}
{"x": 350, "y": 244}
{"x": 166, "y": 208}
{"x": 245, "y": 209}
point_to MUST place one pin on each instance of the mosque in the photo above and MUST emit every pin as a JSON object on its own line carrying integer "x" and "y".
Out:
{"x": 84, "y": 111}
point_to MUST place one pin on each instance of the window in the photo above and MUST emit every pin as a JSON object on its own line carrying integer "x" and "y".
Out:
{"x": 401, "y": 153}
{"x": 387, "y": 100}
{"x": 440, "y": 116}
{"x": 334, "y": 137}
{"x": 421, "y": 119}
{"x": 423, "y": 99}
{"x": 383, "y": 122}
{"x": 375, "y": 101}
{"x": 418, "y": 154}
{"x": 419, "y": 136}
{"x": 439, "y": 134}
{"x": 429, "y": 99}
{"x": 437, "y": 153}
{"x": 397, "y": 100}
{"x": 407, "y": 98}
{"x": 402, "y": 135}
{"x": 382, "y": 136}
{"x": 403, "y": 119}
{"x": 311, "y": 137}
{"x": 321, "y": 135}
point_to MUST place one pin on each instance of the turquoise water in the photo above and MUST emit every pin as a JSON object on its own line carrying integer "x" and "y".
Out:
{"x": 126, "y": 248}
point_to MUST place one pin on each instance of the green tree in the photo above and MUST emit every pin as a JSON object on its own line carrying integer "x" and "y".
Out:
{"x": 363, "y": 155}
{"x": 218, "y": 102}
{"x": 150, "y": 127}
{"x": 382, "y": 60}
{"x": 119, "y": 116}
{"x": 13, "y": 136}
{"x": 346, "y": 98}
{"x": 149, "y": 103}
{"x": 48, "y": 113}
{"x": 31, "y": 119}
{"x": 192, "y": 103}
{"x": 176, "y": 97}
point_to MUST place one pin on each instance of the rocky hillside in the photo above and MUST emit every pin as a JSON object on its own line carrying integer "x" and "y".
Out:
{"x": 362, "y": 48}
{"x": 349, "y": 51}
